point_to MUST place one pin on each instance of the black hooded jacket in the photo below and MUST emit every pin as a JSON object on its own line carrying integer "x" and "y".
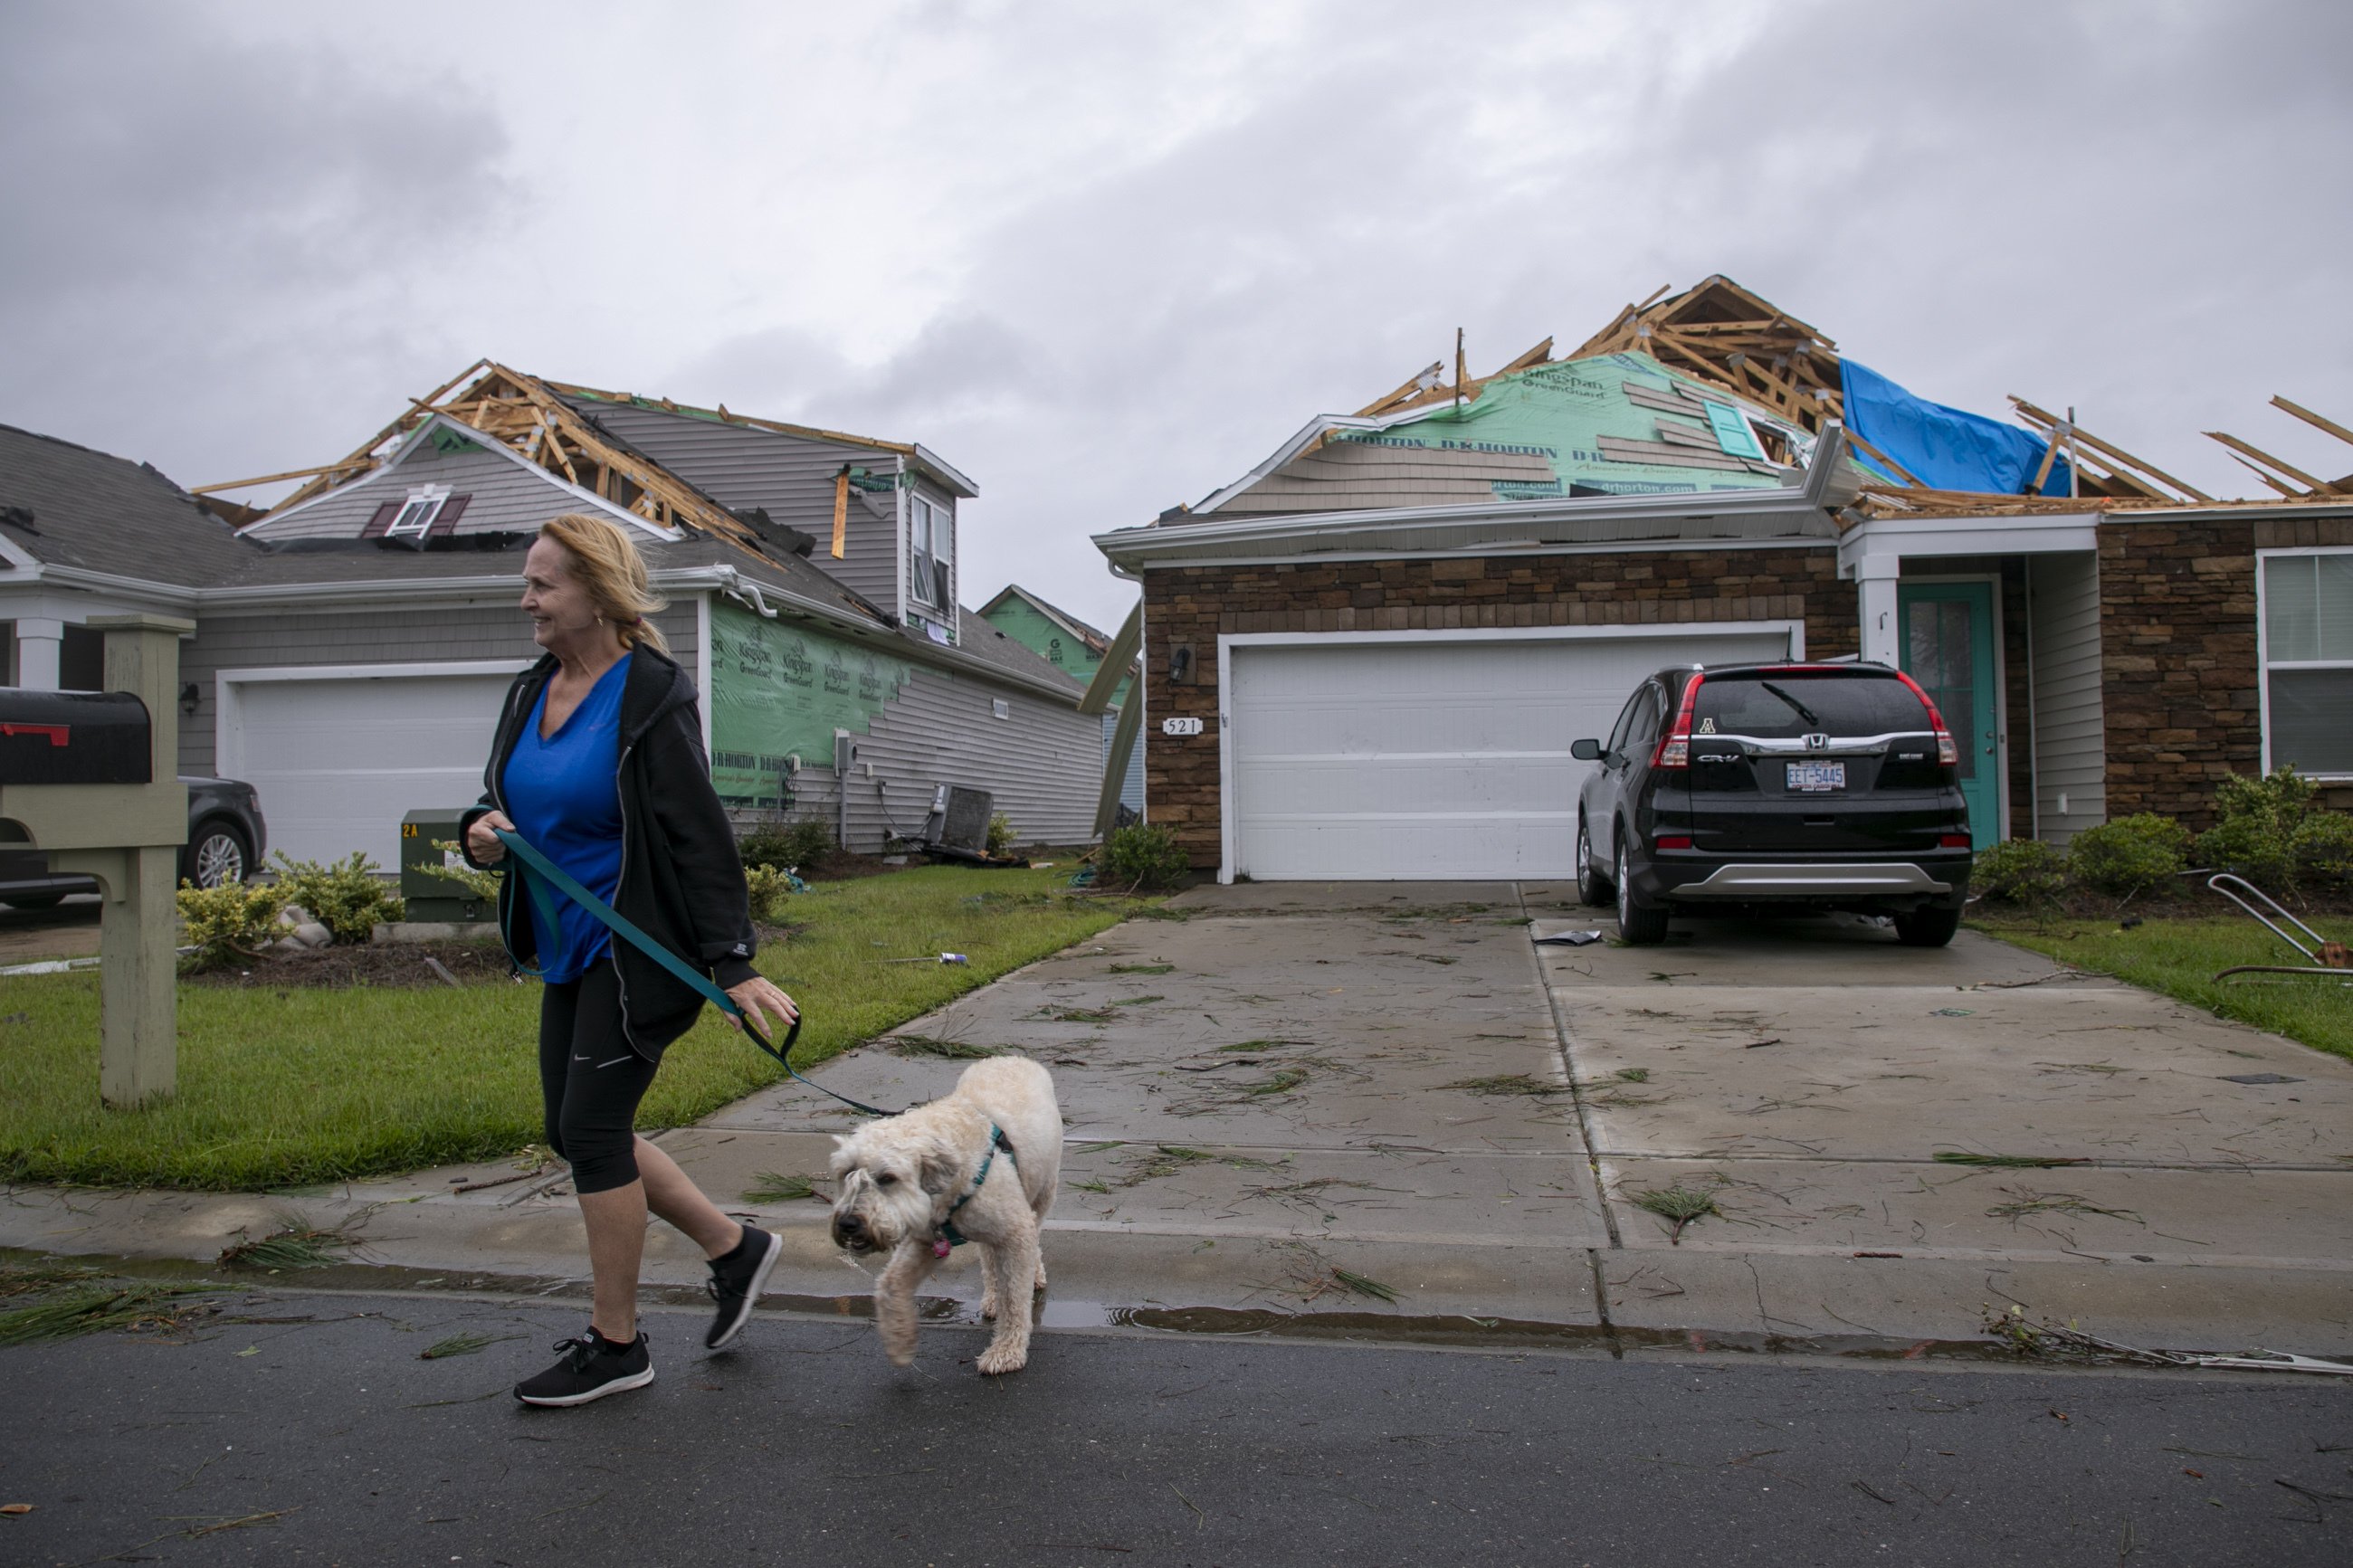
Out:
{"x": 682, "y": 882}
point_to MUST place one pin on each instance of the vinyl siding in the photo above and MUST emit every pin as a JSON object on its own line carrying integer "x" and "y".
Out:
{"x": 448, "y": 634}
{"x": 790, "y": 477}
{"x": 2069, "y": 738}
{"x": 1043, "y": 765}
{"x": 507, "y": 497}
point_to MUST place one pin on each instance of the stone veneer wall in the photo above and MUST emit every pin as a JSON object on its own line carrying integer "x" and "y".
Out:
{"x": 1189, "y": 607}
{"x": 2179, "y": 686}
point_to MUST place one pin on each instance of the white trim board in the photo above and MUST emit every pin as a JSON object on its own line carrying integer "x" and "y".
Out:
{"x": 1229, "y": 819}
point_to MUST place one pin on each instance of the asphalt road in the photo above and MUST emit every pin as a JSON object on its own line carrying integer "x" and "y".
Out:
{"x": 305, "y": 1428}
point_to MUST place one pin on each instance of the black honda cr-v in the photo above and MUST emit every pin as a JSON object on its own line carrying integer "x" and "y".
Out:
{"x": 1833, "y": 785}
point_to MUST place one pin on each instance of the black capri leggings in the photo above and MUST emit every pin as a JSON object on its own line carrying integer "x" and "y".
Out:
{"x": 591, "y": 1079}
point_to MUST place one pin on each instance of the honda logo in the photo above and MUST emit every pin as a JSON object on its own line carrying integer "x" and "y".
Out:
{"x": 1817, "y": 743}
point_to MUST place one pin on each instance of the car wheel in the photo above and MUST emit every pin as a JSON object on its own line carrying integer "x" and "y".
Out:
{"x": 216, "y": 855}
{"x": 1927, "y": 926}
{"x": 1592, "y": 888}
{"x": 1639, "y": 923}
{"x": 35, "y": 900}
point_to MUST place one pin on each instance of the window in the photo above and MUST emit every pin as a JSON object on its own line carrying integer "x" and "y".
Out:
{"x": 932, "y": 538}
{"x": 1625, "y": 723}
{"x": 2307, "y": 599}
{"x": 416, "y": 513}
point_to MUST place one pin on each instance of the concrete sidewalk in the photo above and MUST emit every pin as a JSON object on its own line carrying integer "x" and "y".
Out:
{"x": 1299, "y": 1089}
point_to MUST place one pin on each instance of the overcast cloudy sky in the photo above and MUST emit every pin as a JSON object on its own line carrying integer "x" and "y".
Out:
{"x": 1106, "y": 256}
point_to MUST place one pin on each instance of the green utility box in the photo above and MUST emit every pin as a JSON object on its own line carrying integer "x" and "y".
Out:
{"x": 428, "y": 897}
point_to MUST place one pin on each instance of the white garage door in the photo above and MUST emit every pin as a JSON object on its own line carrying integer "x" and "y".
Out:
{"x": 1430, "y": 759}
{"x": 339, "y": 762}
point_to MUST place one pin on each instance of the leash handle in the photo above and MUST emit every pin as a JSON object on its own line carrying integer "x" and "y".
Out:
{"x": 544, "y": 878}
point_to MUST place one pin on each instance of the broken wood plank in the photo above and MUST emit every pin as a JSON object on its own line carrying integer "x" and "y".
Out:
{"x": 2313, "y": 486}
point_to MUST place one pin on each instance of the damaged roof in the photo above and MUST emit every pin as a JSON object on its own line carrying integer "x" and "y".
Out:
{"x": 1713, "y": 388}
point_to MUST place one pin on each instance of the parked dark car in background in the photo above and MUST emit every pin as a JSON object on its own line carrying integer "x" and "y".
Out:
{"x": 227, "y": 839}
{"x": 1826, "y": 785}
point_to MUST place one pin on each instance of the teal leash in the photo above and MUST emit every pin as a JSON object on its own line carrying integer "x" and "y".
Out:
{"x": 543, "y": 878}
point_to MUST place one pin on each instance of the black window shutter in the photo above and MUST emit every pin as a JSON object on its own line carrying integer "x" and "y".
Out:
{"x": 445, "y": 522}
{"x": 381, "y": 521}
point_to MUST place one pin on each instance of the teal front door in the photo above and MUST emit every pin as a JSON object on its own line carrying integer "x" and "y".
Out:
{"x": 1947, "y": 648}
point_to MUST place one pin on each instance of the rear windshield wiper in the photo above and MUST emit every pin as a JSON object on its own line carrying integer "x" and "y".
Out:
{"x": 1803, "y": 712}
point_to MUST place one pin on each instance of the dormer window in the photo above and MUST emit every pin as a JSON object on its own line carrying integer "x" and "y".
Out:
{"x": 932, "y": 555}
{"x": 427, "y": 512}
{"x": 416, "y": 514}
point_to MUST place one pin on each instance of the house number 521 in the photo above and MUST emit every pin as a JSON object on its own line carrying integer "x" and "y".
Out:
{"x": 1180, "y": 726}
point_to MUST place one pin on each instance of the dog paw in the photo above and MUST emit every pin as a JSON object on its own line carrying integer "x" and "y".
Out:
{"x": 1041, "y": 1279}
{"x": 901, "y": 1355}
{"x": 988, "y": 1305}
{"x": 999, "y": 1359}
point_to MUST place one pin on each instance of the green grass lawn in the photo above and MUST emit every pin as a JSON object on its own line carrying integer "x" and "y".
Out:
{"x": 293, "y": 1087}
{"x": 2181, "y": 957}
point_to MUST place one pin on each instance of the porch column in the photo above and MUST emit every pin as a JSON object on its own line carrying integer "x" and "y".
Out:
{"x": 1875, "y": 587}
{"x": 38, "y": 642}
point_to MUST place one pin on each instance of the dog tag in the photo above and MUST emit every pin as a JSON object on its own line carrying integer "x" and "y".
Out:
{"x": 940, "y": 1246}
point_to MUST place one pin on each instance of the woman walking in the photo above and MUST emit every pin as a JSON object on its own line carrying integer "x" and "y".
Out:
{"x": 598, "y": 764}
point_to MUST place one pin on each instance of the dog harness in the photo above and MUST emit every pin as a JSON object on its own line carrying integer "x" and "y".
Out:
{"x": 950, "y": 1237}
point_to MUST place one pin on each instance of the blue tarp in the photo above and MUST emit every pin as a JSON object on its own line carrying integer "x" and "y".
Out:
{"x": 1944, "y": 448}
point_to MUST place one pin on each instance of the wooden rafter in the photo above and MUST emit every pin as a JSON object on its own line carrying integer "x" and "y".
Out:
{"x": 2121, "y": 463}
{"x": 525, "y": 415}
{"x": 2319, "y": 422}
{"x": 2252, "y": 455}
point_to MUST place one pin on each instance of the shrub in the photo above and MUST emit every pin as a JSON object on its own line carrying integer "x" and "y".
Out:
{"x": 2322, "y": 849}
{"x": 1145, "y": 856}
{"x": 786, "y": 844}
{"x": 771, "y": 890}
{"x": 234, "y": 920}
{"x": 2130, "y": 854}
{"x": 482, "y": 887}
{"x": 2256, "y": 823}
{"x": 1002, "y": 834}
{"x": 346, "y": 897}
{"x": 2019, "y": 871}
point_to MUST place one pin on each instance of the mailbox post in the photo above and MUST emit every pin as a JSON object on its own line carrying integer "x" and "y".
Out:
{"x": 124, "y": 826}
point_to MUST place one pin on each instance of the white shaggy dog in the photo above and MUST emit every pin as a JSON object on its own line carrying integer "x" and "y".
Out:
{"x": 978, "y": 1165}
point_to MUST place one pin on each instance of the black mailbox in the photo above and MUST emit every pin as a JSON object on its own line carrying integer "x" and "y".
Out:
{"x": 73, "y": 737}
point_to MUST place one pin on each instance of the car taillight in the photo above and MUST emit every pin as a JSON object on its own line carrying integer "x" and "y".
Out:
{"x": 1674, "y": 747}
{"x": 1674, "y": 841}
{"x": 1947, "y": 755}
{"x": 1952, "y": 841}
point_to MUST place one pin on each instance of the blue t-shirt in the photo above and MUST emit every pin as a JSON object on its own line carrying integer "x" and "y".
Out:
{"x": 564, "y": 794}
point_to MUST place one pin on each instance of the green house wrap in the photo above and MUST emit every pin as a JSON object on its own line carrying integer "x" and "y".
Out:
{"x": 779, "y": 691}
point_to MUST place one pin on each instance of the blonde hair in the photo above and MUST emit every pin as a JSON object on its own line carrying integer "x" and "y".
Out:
{"x": 605, "y": 560}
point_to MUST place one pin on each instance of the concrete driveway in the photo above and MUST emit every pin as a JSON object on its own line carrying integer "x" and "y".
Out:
{"x": 1293, "y": 1098}
{"x": 1302, "y": 1083}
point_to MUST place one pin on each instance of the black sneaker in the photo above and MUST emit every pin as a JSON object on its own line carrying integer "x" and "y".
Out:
{"x": 592, "y": 1366}
{"x": 735, "y": 1281}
